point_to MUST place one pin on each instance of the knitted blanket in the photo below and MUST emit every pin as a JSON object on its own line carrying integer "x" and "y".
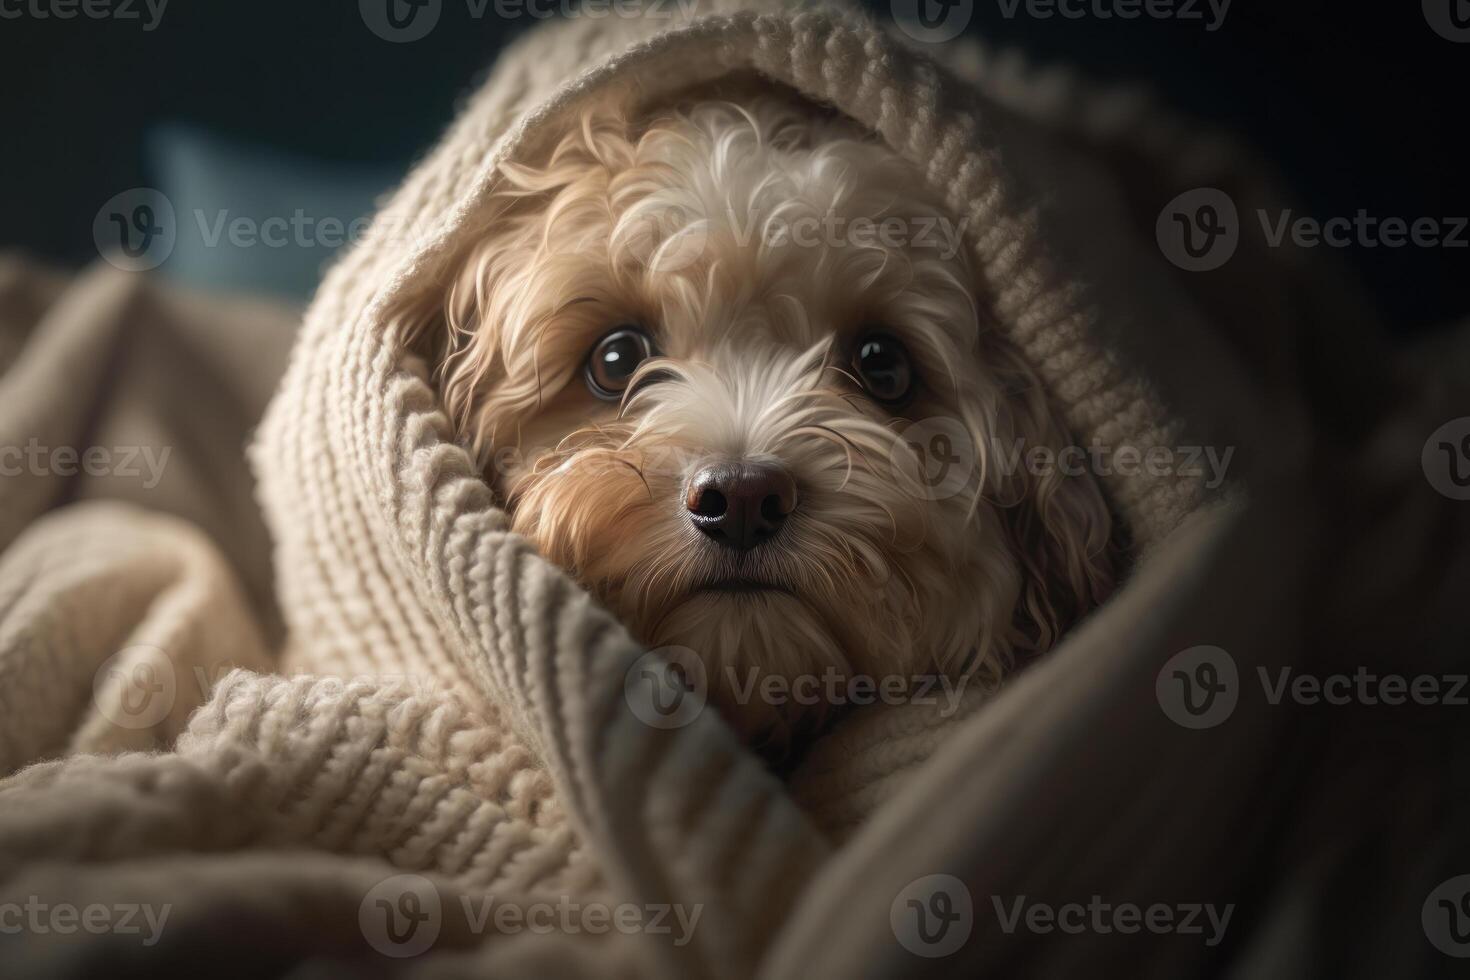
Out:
{"x": 433, "y": 761}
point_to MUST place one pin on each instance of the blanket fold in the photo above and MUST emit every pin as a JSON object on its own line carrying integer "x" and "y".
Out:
{"x": 337, "y": 744}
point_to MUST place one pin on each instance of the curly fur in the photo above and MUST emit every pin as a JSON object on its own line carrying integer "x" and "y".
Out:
{"x": 682, "y": 222}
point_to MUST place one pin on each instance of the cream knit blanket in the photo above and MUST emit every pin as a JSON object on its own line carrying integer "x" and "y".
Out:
{"x": 442, "y": 720}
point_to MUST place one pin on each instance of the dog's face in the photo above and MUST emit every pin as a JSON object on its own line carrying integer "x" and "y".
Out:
{"x": 690, "y": 353}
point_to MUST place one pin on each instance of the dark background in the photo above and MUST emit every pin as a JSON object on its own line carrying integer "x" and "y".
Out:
{"x": 1359, "y": 105}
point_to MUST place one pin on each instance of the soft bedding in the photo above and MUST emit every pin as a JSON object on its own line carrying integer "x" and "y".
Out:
{"x": 330, "y": 712}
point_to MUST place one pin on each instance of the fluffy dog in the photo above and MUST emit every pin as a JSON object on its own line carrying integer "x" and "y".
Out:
{"x": 715, "y": 359}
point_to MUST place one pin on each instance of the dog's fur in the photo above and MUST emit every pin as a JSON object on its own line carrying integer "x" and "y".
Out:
{"x": 682, "y": 221}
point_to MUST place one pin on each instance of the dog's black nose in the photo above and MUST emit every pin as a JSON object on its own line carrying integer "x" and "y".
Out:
{"x": 740, "y": 504}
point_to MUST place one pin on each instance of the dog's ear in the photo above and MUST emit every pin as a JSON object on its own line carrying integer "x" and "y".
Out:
{"x": 1060, "y": 528}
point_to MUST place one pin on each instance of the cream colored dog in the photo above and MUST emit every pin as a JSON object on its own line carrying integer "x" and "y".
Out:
{"x": 727, "y": 366}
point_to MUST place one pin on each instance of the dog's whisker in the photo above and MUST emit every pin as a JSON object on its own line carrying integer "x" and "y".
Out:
{"x": 630, "y": 465}
{"x": 831, "y": 435}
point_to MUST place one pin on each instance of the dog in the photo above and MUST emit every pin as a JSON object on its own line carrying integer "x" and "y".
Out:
{"x": 712, "y": 357}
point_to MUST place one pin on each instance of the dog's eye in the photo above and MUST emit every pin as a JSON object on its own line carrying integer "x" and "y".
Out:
{"x": 613, "y": 360}
{"x": 882, "y": 364}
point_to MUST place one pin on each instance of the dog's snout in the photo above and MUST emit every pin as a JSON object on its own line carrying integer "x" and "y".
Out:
{"x": 740, "y": 504}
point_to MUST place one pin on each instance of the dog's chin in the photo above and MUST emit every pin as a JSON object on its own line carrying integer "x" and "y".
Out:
{"x": 755, "y": 641}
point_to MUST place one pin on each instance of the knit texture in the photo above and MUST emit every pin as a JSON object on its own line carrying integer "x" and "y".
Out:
{"x": 392, "y": 554}
{"x": 448, "y": 703}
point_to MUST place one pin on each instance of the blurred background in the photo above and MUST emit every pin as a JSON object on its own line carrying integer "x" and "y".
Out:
{"x": 280, "y": 107}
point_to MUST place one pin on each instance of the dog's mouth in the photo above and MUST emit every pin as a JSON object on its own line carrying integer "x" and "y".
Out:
{"x": 741, "y": 585}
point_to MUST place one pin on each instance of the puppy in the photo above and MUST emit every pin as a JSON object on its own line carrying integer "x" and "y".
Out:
{"x": 726, "y": 365}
